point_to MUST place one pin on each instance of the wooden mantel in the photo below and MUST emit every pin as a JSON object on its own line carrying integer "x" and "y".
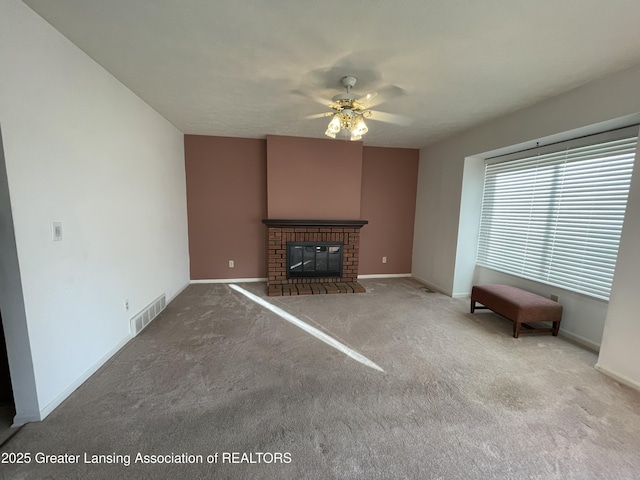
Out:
{"x": 314, "y": 223}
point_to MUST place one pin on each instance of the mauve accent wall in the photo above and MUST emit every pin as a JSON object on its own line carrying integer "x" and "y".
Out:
{"x": 389, "y": 186}
{"x": 226, "y": 202}
{"x": 227, "y": 199}
{"x": 313, "y": 179}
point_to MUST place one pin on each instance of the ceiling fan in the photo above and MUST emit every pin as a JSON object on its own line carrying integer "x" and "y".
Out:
{"x": 349, "y": 111}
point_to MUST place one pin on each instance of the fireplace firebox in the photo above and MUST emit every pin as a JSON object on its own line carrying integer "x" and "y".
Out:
{"x": 314, "y": 260}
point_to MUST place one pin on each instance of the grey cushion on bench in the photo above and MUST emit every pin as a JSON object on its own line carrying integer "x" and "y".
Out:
{"x": 519, "y": 306}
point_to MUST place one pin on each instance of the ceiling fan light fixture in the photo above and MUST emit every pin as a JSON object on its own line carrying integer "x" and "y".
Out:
{"x": 330, "y": 134}
{"x": 347, "y": 120}
{"x": 335, "y": 124}
{"x": 361, "y": 127}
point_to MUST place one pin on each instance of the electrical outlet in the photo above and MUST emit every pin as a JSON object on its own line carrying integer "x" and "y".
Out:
{"x": 126, "y": 305}
{"x": 554, "y": 297}
{"x": 384, "y": 259}
{"x": 232, "y": 264}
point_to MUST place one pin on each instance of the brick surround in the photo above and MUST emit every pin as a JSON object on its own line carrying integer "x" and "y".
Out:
{"x": 283, "y": 231}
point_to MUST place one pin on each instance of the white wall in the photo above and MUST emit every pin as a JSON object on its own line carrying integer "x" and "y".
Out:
{"x": 620, "y": 351}
{"x": 82, "y": 149}
{"x": 436, "y": 224}
{"x": 468, "y": 224}
{"x": 441, "y": 254}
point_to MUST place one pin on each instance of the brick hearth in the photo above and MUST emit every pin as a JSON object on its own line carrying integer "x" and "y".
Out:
{"x": 283, "y": 231}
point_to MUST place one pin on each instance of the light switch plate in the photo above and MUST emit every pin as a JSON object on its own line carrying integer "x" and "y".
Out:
{"x": 56, "y": 231}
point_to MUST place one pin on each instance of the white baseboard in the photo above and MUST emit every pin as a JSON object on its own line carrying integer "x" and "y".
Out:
{"x": 461, "y": 295}
{"x": 385, "y": 275}
{"x": 230, "y": 280}
{"x": 580, "y": 340}
{"x": 21, "y": 420}
{"x": 618, "y": 377}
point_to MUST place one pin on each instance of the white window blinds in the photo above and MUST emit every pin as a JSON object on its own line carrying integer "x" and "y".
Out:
{"x": 556, "y": 217}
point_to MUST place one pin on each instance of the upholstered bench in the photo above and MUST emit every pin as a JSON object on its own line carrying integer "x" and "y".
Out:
{"x": 519, "y": 306}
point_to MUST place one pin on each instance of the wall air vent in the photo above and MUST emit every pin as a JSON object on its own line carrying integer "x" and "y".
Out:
{"x": 150, "y": 312}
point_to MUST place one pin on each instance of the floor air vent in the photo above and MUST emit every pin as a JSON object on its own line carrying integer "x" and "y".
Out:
{"x": 151, "y": 311}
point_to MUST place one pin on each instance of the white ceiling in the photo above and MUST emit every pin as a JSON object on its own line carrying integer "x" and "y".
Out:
{"x": 237, "y": 68}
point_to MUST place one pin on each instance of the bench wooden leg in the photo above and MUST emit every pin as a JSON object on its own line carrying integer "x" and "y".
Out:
{"x": 556, "y": 328}
{"x": 516, "y": 329}
{"x": 473, "y": 306}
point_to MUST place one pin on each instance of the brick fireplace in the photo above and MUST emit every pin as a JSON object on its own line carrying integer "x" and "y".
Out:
{"x": 343, "y": 233}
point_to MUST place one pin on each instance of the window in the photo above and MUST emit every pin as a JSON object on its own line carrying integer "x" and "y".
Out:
{"x": 555, "y": 215}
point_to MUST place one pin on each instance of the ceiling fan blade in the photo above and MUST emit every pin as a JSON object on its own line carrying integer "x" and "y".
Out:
{"x": 390, "y": 118}
{"x": 316, "y": 98}
{"x": 383, "y": 95}
{"x": 319, "y": 115}
{"x": 366, "y": 100}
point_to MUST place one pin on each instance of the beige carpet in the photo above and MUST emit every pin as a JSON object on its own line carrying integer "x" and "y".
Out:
{"x": 459, "y": 397}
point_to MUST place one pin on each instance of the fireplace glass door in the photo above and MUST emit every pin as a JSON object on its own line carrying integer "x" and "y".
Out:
{"x": 314, "y": 259}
